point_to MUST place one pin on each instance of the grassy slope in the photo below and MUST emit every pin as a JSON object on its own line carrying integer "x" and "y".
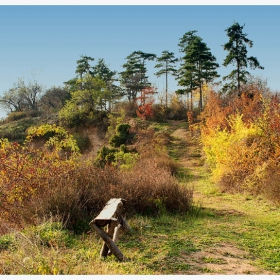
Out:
{"x": 223, "y": 234}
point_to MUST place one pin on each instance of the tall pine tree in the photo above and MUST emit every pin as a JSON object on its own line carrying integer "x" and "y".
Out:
{"x": 237, "y": 55}
{"x": 134, "y": 78}
{"x": 166, "y": 63}
{"x": 198, "y": 65}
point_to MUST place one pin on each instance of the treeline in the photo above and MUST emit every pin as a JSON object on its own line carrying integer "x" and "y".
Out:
{"x": 97, "y": 89}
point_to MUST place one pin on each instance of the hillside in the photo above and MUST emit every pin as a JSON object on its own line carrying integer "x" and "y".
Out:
{"x": 222, "y": 234}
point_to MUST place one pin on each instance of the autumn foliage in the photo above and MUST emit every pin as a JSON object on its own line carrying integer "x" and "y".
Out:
{"x": 144, "y": 103}
{"x": 37, "y": 182}
{"x": 241, "y": 137}
{"x": 26, "y": 171}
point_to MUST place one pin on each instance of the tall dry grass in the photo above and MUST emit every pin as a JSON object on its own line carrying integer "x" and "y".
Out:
{"x": 77, "y": 195}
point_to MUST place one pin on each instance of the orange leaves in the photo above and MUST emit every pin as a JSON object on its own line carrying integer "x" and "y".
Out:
{"x": 25, "y": 171}
{"x": 241, "y": 138}
{"x": 144, "y": 103}
{"x": 218, "y": 109}
{"x": 214, "y": 115}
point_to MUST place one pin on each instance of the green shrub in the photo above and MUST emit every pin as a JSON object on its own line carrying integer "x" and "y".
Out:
{"x": 49, "y": 234}
{"x": 124, "y": 159}
{"x": 114, "y": 120}
{"x": 105, "y": 156}
{"x": 6, "y": 241}
{"x": 123, "y": 129}
{"x": 71, "y": 116}
{"x": 122, "y": 132}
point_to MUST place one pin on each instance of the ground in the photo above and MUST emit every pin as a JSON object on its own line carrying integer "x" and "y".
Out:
{"x": 222, "y": 258}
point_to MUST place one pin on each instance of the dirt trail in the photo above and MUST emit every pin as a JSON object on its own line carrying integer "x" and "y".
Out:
{"x": 216, "y": 259}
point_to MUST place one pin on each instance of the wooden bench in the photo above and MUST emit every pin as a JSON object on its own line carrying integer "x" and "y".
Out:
{"x": 110, "y": 216}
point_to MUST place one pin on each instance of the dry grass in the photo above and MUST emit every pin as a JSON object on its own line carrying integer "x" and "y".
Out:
{"x": 78, "y": 196}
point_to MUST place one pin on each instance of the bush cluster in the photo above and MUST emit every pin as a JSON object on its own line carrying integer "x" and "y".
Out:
{"x": 15, "y": 116}
{"x": 241, "y": 138}
{"x": 36, "y": 184}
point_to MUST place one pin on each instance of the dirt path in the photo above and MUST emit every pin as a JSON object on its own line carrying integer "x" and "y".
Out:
{"x": 223, "y": 258}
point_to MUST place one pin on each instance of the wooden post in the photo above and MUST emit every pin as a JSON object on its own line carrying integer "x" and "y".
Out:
{"x": 115, "y": 236}
{"x": 110, "y": 232}
{"x": 116, "y": 233}
{"x": 124, "y": 223}
{"x": 109, "y": 242}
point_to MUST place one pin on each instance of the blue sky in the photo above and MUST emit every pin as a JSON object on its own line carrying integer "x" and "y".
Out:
{"x": 46, "y": 41}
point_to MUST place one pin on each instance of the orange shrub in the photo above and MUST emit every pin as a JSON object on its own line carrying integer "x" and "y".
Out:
{"x": 144, "y": 103}
{"x": 24, "y": 171}
{"x": 241, "y": 138}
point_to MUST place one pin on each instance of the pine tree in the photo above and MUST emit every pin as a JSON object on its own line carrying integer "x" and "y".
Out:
{"x": 166, "y": 61}
{"x": 237, "y": 55}
{"x": 199, "y": 65}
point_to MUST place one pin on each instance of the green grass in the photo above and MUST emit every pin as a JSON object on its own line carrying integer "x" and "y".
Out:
{"x": 159, "y": 126}
{"x": 155, "y": 245}
{"x": 16, "y": 130}
{"x": 165, "y": 244}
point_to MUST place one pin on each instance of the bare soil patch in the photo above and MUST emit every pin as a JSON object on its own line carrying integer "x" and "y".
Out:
{"x": 223, "y": 259}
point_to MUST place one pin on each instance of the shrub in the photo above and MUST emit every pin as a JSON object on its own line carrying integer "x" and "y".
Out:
{"x": 159, "y": 113}
{"x": 56, "y": 138}
{"x": 78, "y": 197}
{"x": 269, "y": 181}
{"x": 36, "y": 185}
{"x": 124, "y": 159}
{"x": 177, "y": 108}
{"x": 144, "y": 103}
{"x": 127, "y": 107}
{"x": 105, "y": 156}
{"x": 25, "y": 172}
{"x": 83, "y": 142}
{"x": 241, "y": 139}
{"x": 114, "y": 120}
{"x": 229, "y": 152}
{"x": 122, "y": 131}
{"x": 6, "y": 241}
{"x": 146, "y": 183}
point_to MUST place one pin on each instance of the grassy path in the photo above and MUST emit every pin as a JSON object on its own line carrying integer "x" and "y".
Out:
{"x": 234, "y": 234}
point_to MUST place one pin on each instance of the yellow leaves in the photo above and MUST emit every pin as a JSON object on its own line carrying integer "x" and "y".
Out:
{"x": 44, "y": 129}
{"x": 241, "y": 138}
{"x": 25, "y": 170}
{"x": 56, "y": 137}
{"x": 4, "y": 143}
{"x": 241, "y": 131}
{"x": 229, "y": 151}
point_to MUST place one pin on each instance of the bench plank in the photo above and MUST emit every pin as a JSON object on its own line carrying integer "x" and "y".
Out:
{"x": 108, "y": 212}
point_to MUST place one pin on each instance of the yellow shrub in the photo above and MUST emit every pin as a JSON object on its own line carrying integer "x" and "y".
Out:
{"x": 231, "y": 153}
